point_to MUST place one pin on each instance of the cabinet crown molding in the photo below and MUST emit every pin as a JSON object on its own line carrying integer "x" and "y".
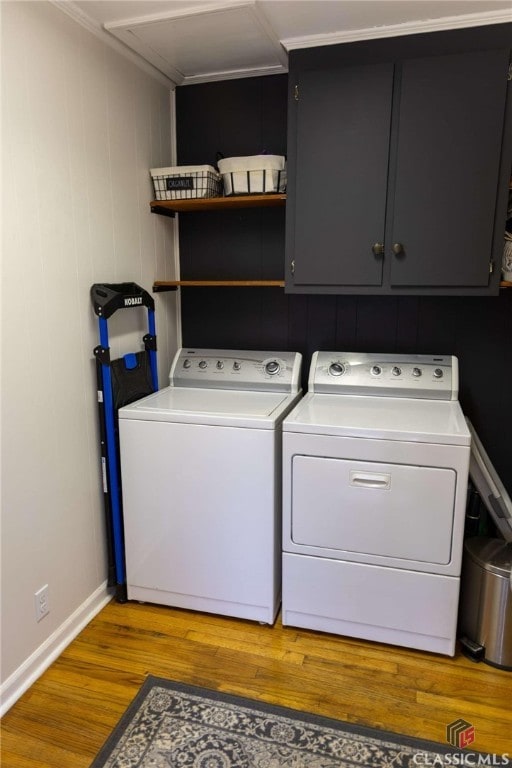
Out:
{"x": 399, "y": 30}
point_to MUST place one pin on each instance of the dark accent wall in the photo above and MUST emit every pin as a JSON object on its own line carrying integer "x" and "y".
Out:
{"x": 244, "y": 117}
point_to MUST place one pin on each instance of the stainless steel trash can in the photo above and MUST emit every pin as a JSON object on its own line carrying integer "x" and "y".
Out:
{"x": 485, "y": 616}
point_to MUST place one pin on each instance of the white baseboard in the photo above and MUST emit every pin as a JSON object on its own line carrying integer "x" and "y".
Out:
{"x": 33, "y": 667}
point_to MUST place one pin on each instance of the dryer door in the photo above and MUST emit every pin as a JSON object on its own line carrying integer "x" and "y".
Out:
{"x": 375, "y": 509}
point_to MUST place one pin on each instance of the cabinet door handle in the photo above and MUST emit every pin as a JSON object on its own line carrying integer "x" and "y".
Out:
{"x": 398, "y": 249}
{"x": 378, "y": 249}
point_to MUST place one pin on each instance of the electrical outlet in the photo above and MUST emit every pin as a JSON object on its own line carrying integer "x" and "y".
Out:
{"x": 41, "y": 602}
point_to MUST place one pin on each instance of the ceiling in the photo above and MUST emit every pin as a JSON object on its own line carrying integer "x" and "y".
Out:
{"x": 190, "y": 41}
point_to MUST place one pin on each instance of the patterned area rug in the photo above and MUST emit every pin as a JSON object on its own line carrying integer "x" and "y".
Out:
{"x": 172, "y": 725}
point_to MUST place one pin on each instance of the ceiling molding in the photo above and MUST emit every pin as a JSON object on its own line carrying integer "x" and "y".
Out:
{"x": 122, "y": 37}
{"x": 396, "y": 30}
{"x": 70, "y": 9}
{"x": 129, "y": 39}
{"x": 211, "y": 77}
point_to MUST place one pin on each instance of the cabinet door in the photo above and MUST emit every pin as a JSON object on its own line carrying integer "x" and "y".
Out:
{"x": 339, "y": 186}
{"x": 450, "y": 125}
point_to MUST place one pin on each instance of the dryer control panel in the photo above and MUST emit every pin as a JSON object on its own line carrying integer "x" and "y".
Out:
{"x": 236, "y": 369}
{"x": 429, "y": 377}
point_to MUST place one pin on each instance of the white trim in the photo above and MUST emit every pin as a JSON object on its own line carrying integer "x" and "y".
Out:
{"x": 272, "y": 35}
{"x": 176, "y": 230}
{"x": 72, "y": 10}
{"x": 234, "y": 74}
{"x": 181, "y": 13}
{"x": 33, "y": 667}
{"x": 397, "y": 30}
{"x": 129, "y": 39}
{"x": 172, "y": 123}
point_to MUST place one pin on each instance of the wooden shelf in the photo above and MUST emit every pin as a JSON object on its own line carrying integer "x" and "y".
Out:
{"x": 172, "y": 285}
{"x": 159, "y": 286}
{"x": 170, "y": 207}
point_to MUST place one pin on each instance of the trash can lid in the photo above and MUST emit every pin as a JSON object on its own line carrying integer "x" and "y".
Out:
{"x": 488, "y": 484}
{"x": 493, "y": 555}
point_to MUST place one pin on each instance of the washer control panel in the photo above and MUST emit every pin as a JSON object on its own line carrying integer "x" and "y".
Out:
{"x": 431, "y": 377}
{"x": 236, "y": 369}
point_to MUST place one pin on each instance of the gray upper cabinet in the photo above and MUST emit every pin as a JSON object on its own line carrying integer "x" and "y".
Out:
{"x": 398, "y": 168}
{"x": 343, "y": 130}
{"x": 450, "y": 125}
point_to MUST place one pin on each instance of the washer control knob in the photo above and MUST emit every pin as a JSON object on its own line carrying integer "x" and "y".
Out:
{"x": 438, "y": 373}
{"x": 203, "y": 364}
{"x": 236, "y": 365}
{"x": 336, "y": 369}
{"x": 220, "y": 365}
{"x": 376, "y": 370}
{"x": 272, "y": 367}
{"x": 416, "y": 372}
{"x": 396, "y": 371}
{"x": 187, "y": 363}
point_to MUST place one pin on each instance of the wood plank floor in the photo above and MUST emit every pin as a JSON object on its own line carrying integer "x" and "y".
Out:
{"x": 64, "y": 718}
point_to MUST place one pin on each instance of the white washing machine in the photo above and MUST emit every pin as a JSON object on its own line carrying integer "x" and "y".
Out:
{"x": 201, "y": 476}
{"x": 375, "y": 470}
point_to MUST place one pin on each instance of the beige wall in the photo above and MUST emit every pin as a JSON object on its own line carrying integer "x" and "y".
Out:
{"x": 81, "y": 126}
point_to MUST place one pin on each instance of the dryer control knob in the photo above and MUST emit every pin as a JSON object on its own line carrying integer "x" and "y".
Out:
{"x": 203, "y": 364}
{"x": 396, "y": 371}
{"x": 236, "y": 366}
{"x": 187, "y": 363}
{"x": 272, "y": 367}
{"x": 376, "y": 370}
{"x": 416, "y": 372}
{"x": 438, "y": 373}
{"x": 220, "y": 365}
{"x": 336, "y": 369}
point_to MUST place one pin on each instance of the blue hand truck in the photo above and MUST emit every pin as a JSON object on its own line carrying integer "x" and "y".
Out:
{"x": 119, "y": 383}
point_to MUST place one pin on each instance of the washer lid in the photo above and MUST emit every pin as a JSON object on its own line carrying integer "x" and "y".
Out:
{"x": 380, "y": 418}
{"x": 186, "y": 405}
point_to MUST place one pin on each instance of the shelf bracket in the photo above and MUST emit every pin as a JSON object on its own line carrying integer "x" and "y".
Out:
{"x": 164, "y": 288}
{"x": 162, "y": 211}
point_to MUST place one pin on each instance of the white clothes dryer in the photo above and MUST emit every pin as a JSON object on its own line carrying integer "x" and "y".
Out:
{"x": 375, "y": 470}
{"x": 201, "y": 477}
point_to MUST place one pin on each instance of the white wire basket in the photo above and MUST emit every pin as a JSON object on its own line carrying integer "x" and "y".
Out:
{"x": 186, "y": 182}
